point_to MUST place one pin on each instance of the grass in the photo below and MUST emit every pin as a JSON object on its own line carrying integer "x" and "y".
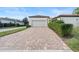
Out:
{"x": 11, "y": 31}
{"x": 73, "y": 42}
{"x": 11, "y": 27}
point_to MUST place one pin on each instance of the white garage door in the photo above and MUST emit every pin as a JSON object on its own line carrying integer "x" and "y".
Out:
{"x": 39, "y": 23}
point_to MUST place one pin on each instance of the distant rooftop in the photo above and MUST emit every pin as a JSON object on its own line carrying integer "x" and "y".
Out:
{"x": 10, "y": 19}
{"x": 67, "y": 15}
{"x": 39, "y": 16}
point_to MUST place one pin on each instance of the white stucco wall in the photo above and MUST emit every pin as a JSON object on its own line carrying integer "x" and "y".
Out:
{"x": 59, "y": 18}
{"x": 12, "y": 21}
{"x": 21, "y": 23}
{"x": 71, "y": 20}
{"x": 31, "y": 19}
{"x": 4, "y": 21}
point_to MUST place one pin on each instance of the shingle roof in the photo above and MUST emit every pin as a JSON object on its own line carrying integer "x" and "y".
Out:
{"x": 72, "y": 15}
{"x": 6, "y": 18}
{"x": 10, "y": 19}
{"x": 69, "y": 15}
{"x": 39, "y": 16}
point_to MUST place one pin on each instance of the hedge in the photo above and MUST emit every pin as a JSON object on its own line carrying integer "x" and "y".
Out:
{"x": 67, "y": 29}
{"x": 27, "y": 25}
{"x": 9, "y": 25}
{"x": 60, "y": 27}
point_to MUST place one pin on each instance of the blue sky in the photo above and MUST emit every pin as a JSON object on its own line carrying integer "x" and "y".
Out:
{"x": 21, "y": 12}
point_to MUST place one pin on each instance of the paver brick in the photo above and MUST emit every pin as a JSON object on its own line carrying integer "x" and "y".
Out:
{"x": 41, "y": 38}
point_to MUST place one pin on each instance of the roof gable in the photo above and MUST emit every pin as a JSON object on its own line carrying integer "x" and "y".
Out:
{"x": 39, "y": 16}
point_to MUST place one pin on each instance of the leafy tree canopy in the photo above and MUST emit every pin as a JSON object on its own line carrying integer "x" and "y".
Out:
{"x": 76, "y": 11}
{"x": 25, "y": 20}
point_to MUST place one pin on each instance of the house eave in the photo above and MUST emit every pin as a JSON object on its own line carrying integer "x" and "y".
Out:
{"x": 39, "y": 16}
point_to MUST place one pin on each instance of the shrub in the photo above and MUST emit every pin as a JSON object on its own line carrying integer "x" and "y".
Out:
{"x": 67, "y": 29}
{"x": 6, "y": 25}
{"x": 1, "y": 25}
{"x": 11, "y": 24}
{"x": 17, "y": 24}
{"x": 27, "y": 25}
{"x": 60, "y": 27}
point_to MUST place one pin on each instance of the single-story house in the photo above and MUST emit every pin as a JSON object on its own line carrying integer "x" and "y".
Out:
{"x": 9, "y": 20}
{"x": 38, "y": 21}
{"x": 68, "y": 19}
{"x": 19, "y": 22}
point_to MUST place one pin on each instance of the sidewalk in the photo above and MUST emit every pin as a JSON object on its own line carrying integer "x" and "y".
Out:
{"x": 7, "y": 29}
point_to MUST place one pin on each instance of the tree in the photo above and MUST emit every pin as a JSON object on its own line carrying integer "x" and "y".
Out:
{"x": 25, "y": 20}
{"x": 76, "y": 11}
{"x": 0, "y": 24}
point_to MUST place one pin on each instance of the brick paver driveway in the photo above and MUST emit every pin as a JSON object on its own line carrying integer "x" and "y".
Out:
{"x": 33, "y": 39}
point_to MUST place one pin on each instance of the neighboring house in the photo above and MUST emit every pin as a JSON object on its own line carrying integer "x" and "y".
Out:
{"x": 6, "y": 20}
{"x": 38, "y": 21}
{"x": 13, "y": 21}
{"x": 19, "y": 22}
{"x": 68, "y": 19}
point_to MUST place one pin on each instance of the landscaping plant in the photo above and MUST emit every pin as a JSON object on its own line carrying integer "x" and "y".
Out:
{"x": 60, "y": 27}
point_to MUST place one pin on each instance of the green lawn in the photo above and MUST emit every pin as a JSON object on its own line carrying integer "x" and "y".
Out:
{"x": 11, "y": 31}
{"x": 73, "y": 42}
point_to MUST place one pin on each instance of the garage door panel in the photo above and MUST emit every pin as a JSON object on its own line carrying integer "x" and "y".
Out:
{"x": 39, "y": 23}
